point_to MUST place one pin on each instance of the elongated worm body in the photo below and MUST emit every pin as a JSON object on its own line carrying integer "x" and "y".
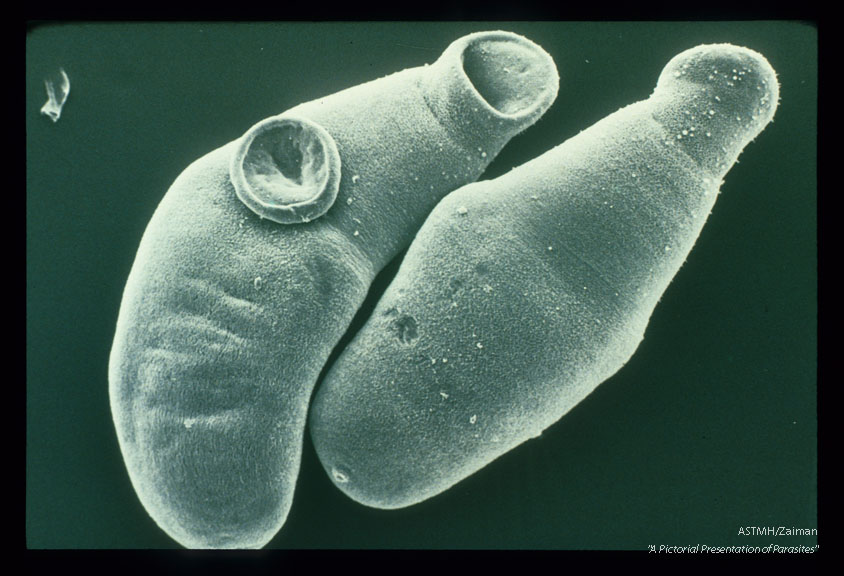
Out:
{"x": 520, "y": 295}
{"x": 257, "y": 259}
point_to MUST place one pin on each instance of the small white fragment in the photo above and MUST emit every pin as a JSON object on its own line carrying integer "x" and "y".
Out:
{"x": 258, "y": 282}
{"x": 355, "y": 178}
{"x": 473, "y": 419}
{"x": 462, "y": 210}
{"x": 479, "y": 345}
{"x": 444, "y": 395}
{"x": 57, "y": 91}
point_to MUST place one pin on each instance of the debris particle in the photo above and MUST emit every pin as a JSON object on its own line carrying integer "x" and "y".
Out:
{"x": 57, "y": 90}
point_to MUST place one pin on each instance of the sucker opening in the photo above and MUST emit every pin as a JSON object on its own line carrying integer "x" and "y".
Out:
{"x": 286, "y": 169}
{"x": 511, "y": 76}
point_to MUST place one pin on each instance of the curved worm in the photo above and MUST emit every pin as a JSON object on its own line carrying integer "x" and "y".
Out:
{"x": 257, "y": 259}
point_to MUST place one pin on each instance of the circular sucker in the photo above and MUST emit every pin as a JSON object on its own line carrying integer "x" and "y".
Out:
{"x": 286, "y": 169}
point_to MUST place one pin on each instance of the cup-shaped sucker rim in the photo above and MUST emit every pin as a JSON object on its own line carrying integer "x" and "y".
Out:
{"x": 457, "y": 101}
{"x": 275, "y": 207}
{"x": 460, "y": 48}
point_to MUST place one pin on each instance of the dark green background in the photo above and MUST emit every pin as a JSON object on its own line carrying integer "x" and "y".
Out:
{"x": 710, "y": 427}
